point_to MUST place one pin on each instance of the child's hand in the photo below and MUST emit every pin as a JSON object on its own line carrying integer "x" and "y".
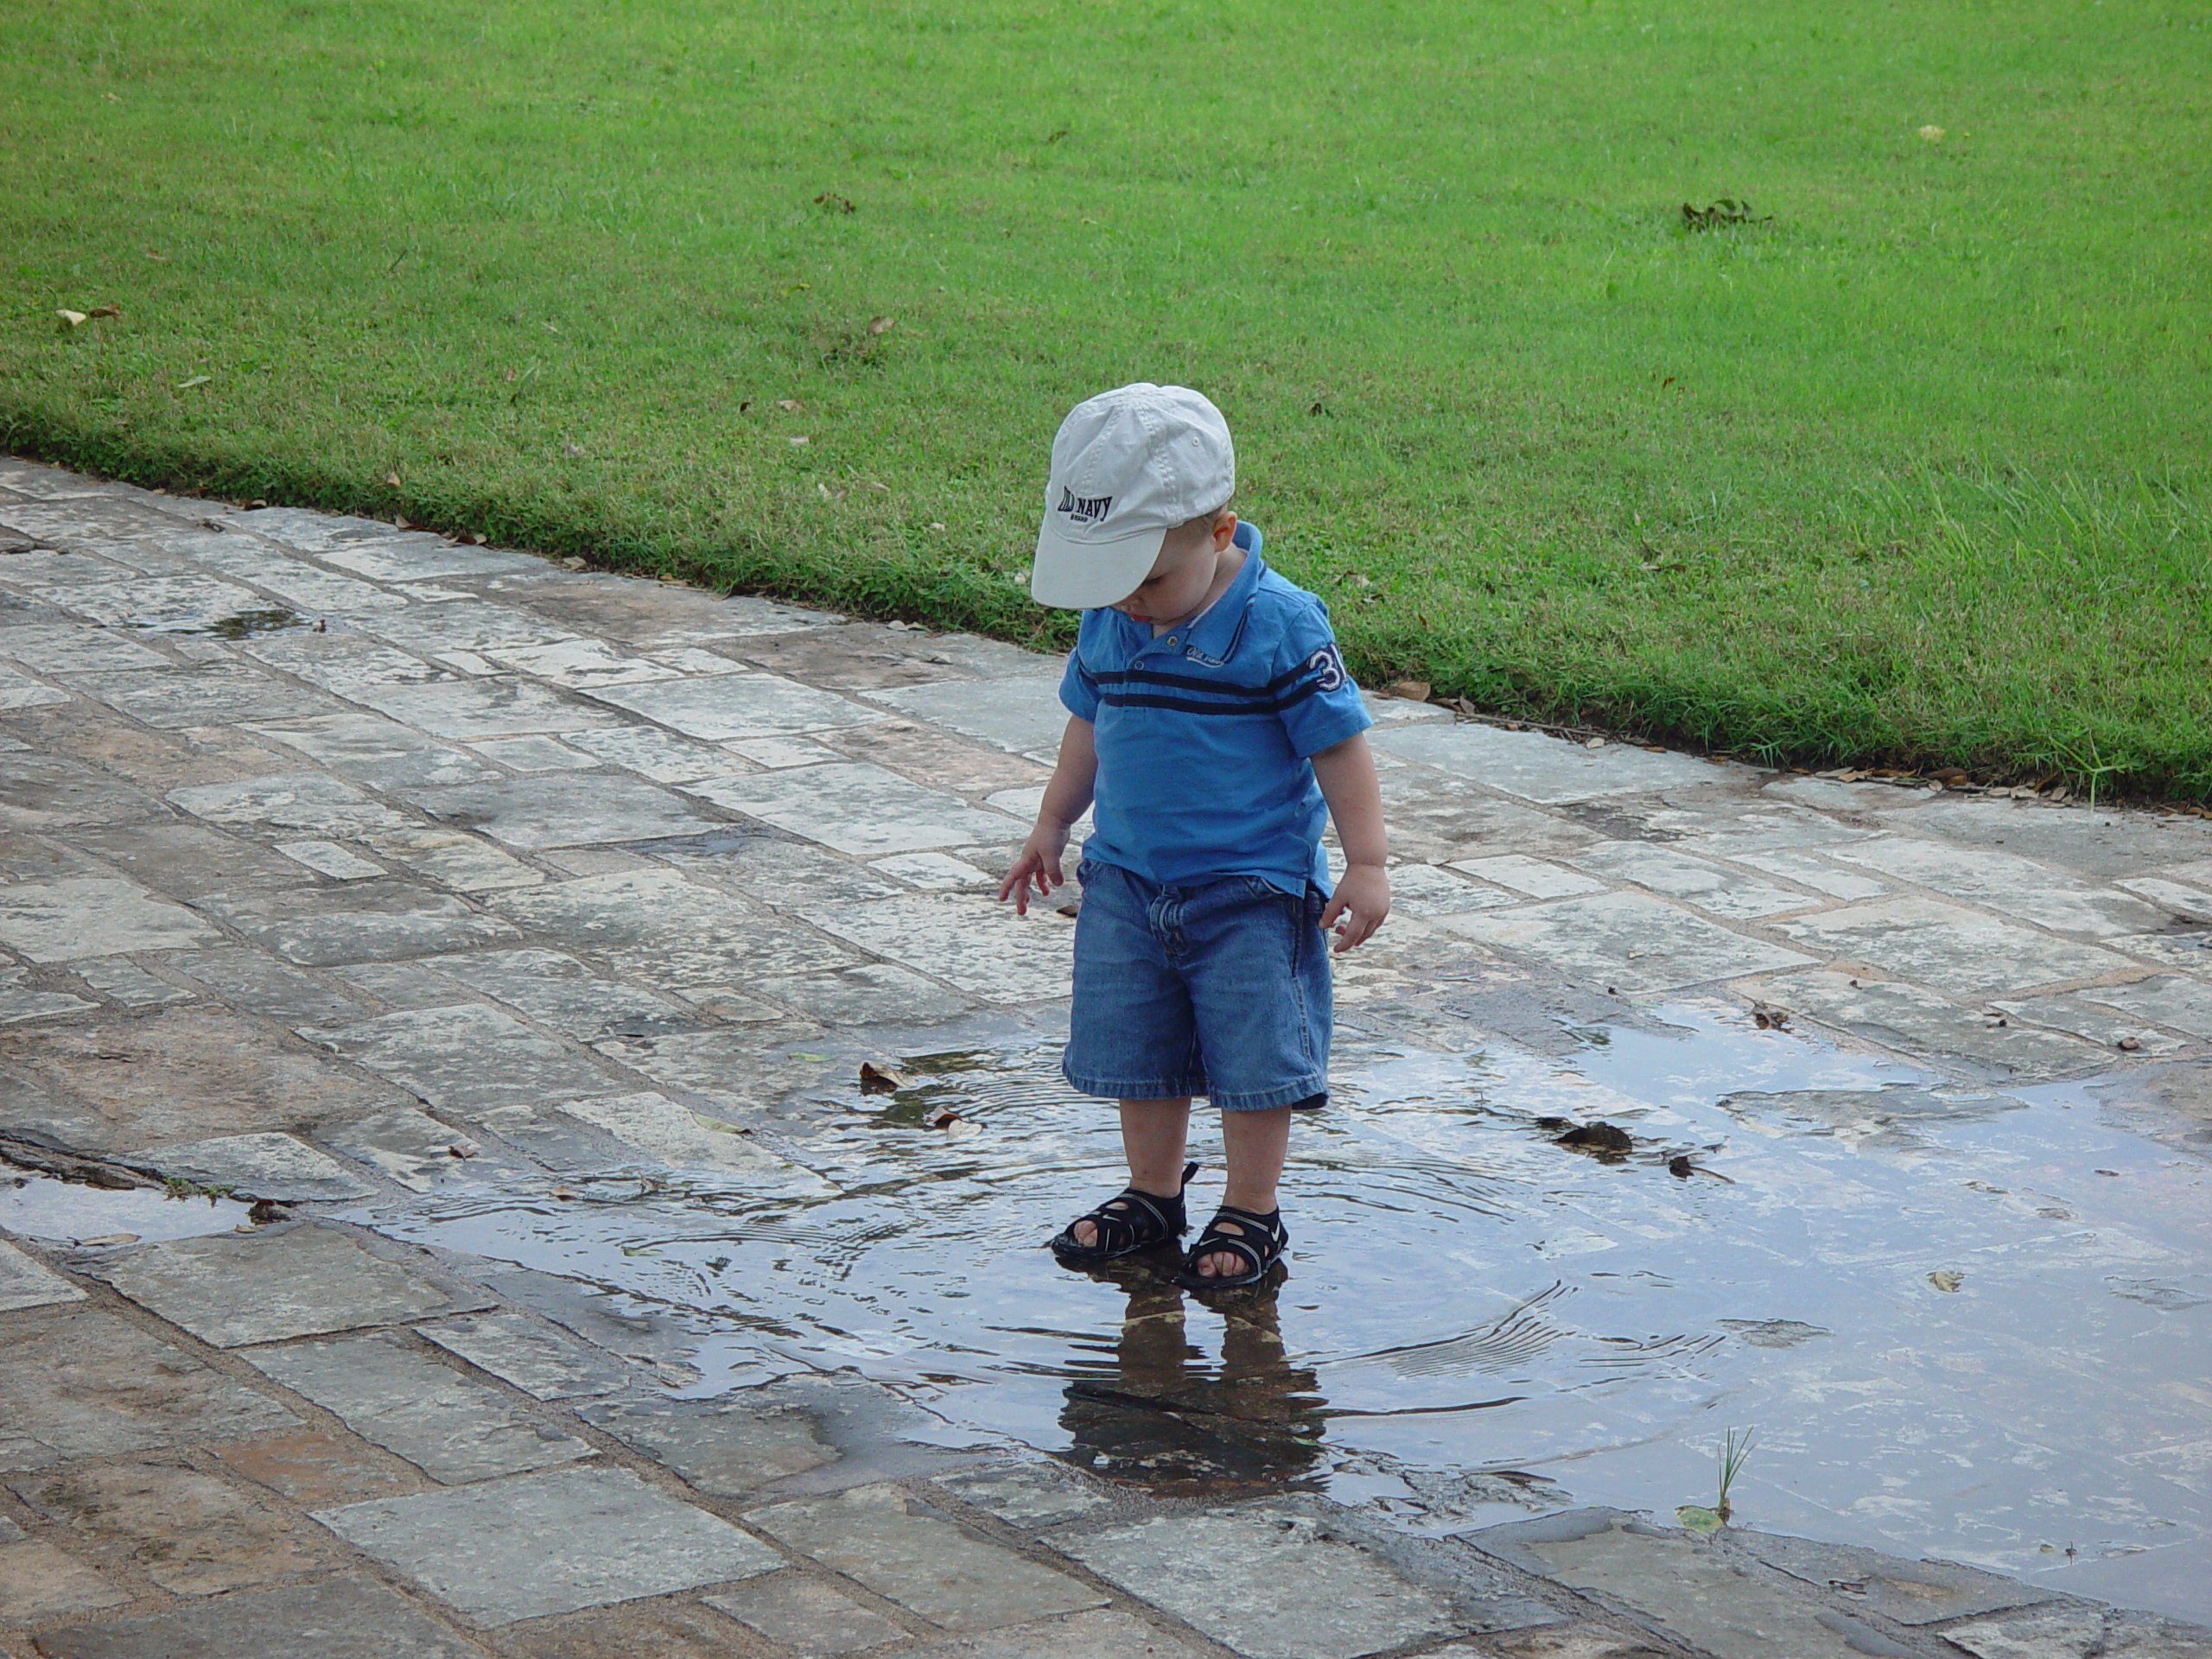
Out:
{"x": 1356, "y": 909}
{"x": 1037, "y": 868}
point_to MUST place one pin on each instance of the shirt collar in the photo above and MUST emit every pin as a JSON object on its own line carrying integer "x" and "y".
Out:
{"x": 1211, "y": 637}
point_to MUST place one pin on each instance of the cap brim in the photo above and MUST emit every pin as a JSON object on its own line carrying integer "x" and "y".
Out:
{"x": 1084, "y": 575}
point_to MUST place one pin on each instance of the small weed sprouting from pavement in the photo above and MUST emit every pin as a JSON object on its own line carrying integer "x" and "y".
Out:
{"x": 1735, "y": 1450}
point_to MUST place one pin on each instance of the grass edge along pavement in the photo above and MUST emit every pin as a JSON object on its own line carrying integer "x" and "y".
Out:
{"x": 957, "y": 594}
{"x": 1899, "y": 471}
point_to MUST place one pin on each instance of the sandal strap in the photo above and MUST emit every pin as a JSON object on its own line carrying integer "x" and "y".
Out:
{"x": 1260, "y": 1244}
{"x": 1143, "y": 1220}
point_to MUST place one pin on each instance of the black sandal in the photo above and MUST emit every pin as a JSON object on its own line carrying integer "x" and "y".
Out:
{"x": 1127, "y": 1223}
{"x": 1260, "y": 1243}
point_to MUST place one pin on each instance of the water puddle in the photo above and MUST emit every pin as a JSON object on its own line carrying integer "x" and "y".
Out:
{"x": 1960, "y": 1322}
{"x": 69, "y": 1212}
{"x": 243, "y": 625}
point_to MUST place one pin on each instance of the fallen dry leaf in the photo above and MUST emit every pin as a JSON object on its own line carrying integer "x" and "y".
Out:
{"x": 106, "y": 1239}
{"x": 572, "y": 563}
{"x": 1593, "y": 742}
{"x": 392, "y": 479}
{"x": 790, "y": 404}
{"x": 881, "y": 325}
{"x": 796, "y": 441}
{"x": 1411, "y": 690}
{"x": 882, "y": 1079}
{"x": 74, "y": 318}
{"x": 109, "y": 310}
{"x": 196, "y": 380}
{"x": 1945, "y": 1280}
{"x": 1933, "y": 135}
{"x": 943, "y": 1117}
{"x": 564, "y": 1193}
{"x": 464, "y": 1149}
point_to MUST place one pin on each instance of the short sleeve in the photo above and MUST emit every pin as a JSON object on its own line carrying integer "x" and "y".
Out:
{"x": 1079, "y": 691}
{"x": 1315, "y": 698}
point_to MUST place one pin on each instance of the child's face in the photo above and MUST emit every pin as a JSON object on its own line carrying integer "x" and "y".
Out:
{"x": 1183, "y": 577}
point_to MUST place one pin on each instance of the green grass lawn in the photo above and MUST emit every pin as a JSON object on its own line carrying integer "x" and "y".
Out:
{"x": 1913, "y": 471}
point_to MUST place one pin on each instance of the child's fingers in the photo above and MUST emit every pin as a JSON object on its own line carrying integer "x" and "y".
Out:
{"x": 1330, "y": 911}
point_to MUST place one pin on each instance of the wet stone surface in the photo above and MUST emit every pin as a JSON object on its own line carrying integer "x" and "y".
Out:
{"x": 543, "y": 919}
{"x": 533, "y": 1545}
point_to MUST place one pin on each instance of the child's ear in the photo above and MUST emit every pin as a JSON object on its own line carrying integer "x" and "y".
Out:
{"x": 1225, "y": 530}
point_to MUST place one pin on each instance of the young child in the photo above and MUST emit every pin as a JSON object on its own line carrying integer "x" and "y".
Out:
{"x": 1213, "y": 730}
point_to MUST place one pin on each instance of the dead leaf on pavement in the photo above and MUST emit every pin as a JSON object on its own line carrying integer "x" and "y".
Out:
{"x": 1945, "y": 1280}
{"x": 1411, "y": 690}
{"x": 882, "y": 1079}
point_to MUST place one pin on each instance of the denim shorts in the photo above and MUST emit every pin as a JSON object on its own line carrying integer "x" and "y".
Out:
{"x": 1220, "y": 988}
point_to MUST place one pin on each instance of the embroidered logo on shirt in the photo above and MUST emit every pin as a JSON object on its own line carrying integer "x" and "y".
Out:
{"x": 1085, "y": 509}
{"x": 1328, "y": 667}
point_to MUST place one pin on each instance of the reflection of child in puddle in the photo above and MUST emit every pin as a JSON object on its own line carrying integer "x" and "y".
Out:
{"x": 1163, "y": 1418}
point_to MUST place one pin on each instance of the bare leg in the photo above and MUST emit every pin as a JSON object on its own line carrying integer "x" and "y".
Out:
{"x": 1153, "y": 1136}
{"x": 1255, "y": 1144}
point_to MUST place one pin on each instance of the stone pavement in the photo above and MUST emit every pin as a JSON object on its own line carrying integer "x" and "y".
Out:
{"x": 343, "y": 866}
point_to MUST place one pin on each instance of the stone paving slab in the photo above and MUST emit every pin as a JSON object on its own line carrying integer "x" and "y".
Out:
{"x": 261, "y": 984}
{"x": 58, "y": 921}
{"x": 880, "y": 1537}
{"x": 1627, "y": 941}
{"x": 1910, "y": 1592}
{"x": 265, "y": 1166}
{"x": 303, "y": 1280}
{"x": 1533, "y": 766}
{"x": 668, "y": 932}
{"x": 2075, "y": 1633}
{"x": 112, "y": 1086}
{"x": 27, "y": 1283}
{"x": 467, "y": 1058}
{"x": 805, "y": 1615}
{"x": 85, "y": 1383}
{"x": 1688, "y": 1588}
{"x": 333, "y": 1620}
{"x": 804, "y": 1434}
{"x": 39, "y": 1582}
{"x": 533, "y": 814}
{"x": 723, "y": 707}
{"x": 191, "y": 1533}
{"x": 1267, "y": 1583}
{"x": 553, "y": 1542}
{"x": 1022, "y": 713}
{"x": 860, "y": 809}
{"x": 401, "y": 1399}
{"x": 1955, "y": 951}
{"x": 533, "y": 1357}
{"x": 1906, "y": 1017}
{"x": 1099, "y": 1635}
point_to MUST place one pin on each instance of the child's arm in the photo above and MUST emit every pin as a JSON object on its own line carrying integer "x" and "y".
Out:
{"x": 1347, "y": 774}
{"x": 1066, "y": 799}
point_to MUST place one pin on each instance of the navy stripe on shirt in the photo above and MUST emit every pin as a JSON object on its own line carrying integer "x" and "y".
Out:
{"x": 1242, "y": 705}
{"x": 1192, "y": 683}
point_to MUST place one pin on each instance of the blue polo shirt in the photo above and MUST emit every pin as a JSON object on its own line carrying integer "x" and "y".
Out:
{"x": 1205, "y": 733}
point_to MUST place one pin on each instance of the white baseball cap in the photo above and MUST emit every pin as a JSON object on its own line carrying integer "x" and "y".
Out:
{"x": 1128, "y": 466}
